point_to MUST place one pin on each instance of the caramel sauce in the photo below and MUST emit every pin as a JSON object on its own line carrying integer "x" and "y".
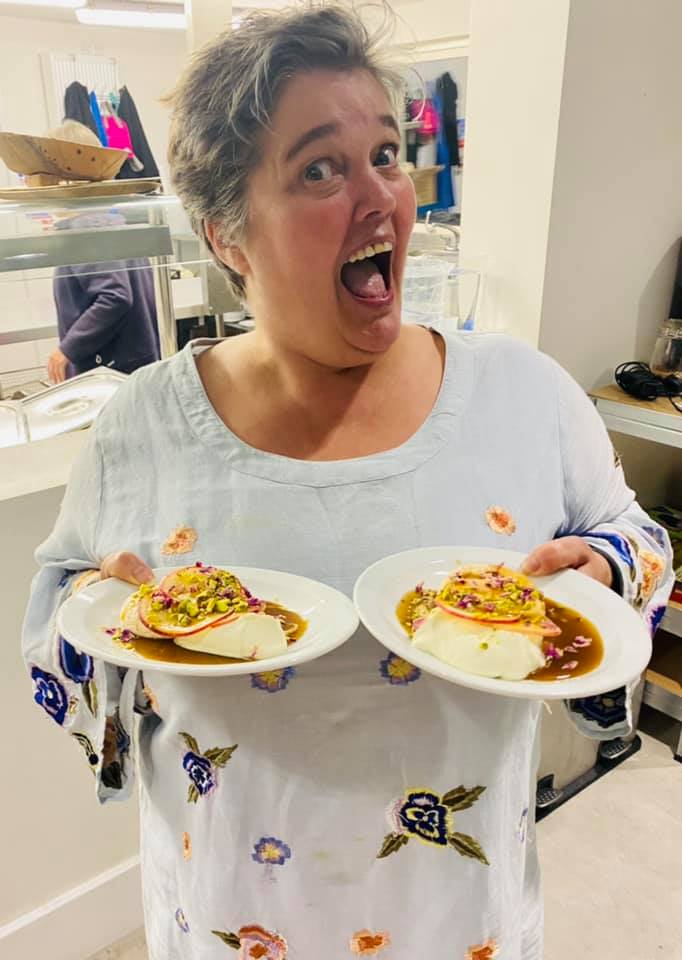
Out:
{"x": 170, "y": 652}
{"x": 572, "y": 625}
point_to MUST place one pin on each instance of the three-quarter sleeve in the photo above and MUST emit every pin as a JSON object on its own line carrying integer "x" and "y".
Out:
{"x": 601, "y": 508}
{"x": 91, "y": 700}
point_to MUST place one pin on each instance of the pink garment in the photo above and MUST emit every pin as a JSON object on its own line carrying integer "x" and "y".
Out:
{"x": 118, "y": 134}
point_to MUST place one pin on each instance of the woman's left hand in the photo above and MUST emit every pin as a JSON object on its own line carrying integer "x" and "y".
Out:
{"x": 568, "y": 552}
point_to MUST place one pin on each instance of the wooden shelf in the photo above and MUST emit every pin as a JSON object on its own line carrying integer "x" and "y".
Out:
{"x": 655, "y": 420}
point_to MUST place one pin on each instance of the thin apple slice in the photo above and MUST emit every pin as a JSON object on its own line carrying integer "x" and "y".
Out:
{"x": 174, "y": 630}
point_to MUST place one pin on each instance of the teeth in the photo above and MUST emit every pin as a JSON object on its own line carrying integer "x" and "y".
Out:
{"x": 370, "y": 251}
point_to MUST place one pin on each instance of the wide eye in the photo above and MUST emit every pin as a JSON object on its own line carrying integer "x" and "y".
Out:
{"x": 387, "y": 156}
{"x": 319, "y": 171}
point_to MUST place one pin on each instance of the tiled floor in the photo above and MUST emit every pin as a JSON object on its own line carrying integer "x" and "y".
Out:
{"x": 612, "y": 863}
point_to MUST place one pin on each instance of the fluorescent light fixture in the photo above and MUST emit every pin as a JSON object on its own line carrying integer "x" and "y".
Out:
{"x": 69, "y": 4}
{"x": 152, "y": 16}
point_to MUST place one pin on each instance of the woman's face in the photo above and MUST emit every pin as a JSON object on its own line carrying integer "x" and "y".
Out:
{"x": 328, "y": 188}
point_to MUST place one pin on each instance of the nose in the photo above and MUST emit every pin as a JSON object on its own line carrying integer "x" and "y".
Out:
{"x": 375, "y": 197}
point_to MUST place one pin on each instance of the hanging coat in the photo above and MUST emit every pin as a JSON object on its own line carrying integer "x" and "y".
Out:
{"x": 447, "y": 90}
{"x": 127, "y": 112}
{"x": 77, "y": 106}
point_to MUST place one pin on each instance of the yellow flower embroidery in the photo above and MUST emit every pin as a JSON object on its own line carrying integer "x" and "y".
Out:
{"x": 484, "y": 951}
{"x": 367, "y": 944}
{"x": 186, "y": 846}
{"x": 180, "y": 540}
{"x": 151, "y": 697}
{"x": 500, "y": 521}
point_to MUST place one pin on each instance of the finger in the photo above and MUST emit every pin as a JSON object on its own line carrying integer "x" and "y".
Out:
{"x": 126, "y": 566}
{"x": 556, "y": 555}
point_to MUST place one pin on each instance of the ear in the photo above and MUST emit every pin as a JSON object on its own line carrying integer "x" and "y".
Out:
{"x": 229, "y": 253}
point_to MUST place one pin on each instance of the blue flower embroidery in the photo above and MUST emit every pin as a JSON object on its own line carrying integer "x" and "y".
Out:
{"x": 200, "y": 772}
{"x": 398, "y": 671}
{"x": 619, "y": 544}
{"x": 65, "y": 577}
{"x": 272, "y": 681}
{"x": 426, "y": 818}
{"x": 181, "y": 921}
{"x": 655, "y": 618}
{"x": 76, "y": 666}
{"x": 49, "y": 694}
{"x": 523, "y": 826}
{"x": 270, "y": 850}
{"x": 606, "y": 710}
{"x": 202, "y": 767}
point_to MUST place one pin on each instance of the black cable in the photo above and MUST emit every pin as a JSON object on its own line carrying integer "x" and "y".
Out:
{"x": 639, "y": 381}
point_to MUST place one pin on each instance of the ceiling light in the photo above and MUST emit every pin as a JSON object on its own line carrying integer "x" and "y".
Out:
{"x": 126, "y": 16}
{"x": 70, "y": 4}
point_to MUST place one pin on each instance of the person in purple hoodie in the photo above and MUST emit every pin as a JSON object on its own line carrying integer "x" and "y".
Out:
{"x": 106, "y": 312}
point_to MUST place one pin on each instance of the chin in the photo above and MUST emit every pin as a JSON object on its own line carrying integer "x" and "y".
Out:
{"x": 374, "y": 336}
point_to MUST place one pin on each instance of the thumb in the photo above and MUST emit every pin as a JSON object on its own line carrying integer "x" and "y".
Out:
{"x": 126, "y": 566}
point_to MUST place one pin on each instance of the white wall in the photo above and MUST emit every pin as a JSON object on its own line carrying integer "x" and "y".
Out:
{"x": 616, "y": 217}
{"x": 56, "y": 835}
{"x": 515, "y": 72}
{"x": 431, "y": 20}
{"x": 149, "y": 62}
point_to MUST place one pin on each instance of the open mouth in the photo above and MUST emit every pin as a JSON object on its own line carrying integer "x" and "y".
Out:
{"x": 367, "y": 273}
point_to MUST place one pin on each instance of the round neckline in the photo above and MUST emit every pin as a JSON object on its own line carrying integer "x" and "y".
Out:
{"x": 425, "y": 443}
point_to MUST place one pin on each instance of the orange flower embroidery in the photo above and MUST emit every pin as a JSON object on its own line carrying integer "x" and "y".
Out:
{"x": 367, "y": 944}
{"x": 151, "y": 697}
{"x": 180, "y": 540}
{"x": 500, "y": 521}
{"x": 485, "y": 951}
{"x": 186, "y": 846}
{"x": 652, "y": 569}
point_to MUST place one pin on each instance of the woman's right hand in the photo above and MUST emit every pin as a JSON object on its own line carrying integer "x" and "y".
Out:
{"x": 126, "y": 566}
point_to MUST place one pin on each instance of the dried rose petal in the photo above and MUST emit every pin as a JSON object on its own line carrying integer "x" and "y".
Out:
{"x": 571, "y": 665}
{"x": 582, "y": 642}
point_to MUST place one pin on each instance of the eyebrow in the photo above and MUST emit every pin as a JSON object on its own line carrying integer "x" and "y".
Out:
{"x": 327, "y": 130}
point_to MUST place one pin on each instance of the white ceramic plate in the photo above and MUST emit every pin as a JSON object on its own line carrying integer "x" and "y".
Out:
{"x": 84, "y": 618}
{"x": 627, "y": 644}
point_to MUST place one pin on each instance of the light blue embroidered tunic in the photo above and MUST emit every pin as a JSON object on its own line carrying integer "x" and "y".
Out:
{"x": 354, "y": 805}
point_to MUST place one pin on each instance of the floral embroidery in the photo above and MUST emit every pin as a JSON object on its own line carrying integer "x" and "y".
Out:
{"x": 500, "y": 521}
{"x": 655, "y": 618}
{"x": 255, "y": 942}
{"x": 181, "y": 921}
{"x": 619, "y": 544}
{"x": 202, "y": 767}
{"x": 86, "y": 744}
{"x": 272, "y": 681}
{"x": 79, "y": 668}
{"x": 270, "y": 850}
{"x": 429, "y": 817}
{"x": 653, "y": 567}
{"x": 49, "y": 694}
{"x": 116, "y": 749}
{"x": 484, "y": 951}
{"x": 180, "y": 540}
{"x": 606, "y": 710}
{"x": 397, "y": 671}
{"x": 65, "y": 577}
{"x": 368, "y": 944}
{"x": 186, "y": 846}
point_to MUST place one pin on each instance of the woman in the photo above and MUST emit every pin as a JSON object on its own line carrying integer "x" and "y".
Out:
{"x": 326, "y": 439}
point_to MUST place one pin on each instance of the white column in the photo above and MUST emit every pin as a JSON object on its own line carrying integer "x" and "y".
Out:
{"x": 516, "y": 66}
{"x": 206, "y": 19}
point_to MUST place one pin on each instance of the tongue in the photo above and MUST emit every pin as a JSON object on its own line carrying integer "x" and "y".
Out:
{"x": 364, "y": 279}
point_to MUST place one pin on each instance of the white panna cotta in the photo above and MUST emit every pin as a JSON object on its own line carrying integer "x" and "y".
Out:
{"x": 479, "y": 648}
{"x": 249, "y": 636}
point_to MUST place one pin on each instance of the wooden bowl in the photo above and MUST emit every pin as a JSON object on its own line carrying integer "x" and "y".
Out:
{"x": 59, "y": 158}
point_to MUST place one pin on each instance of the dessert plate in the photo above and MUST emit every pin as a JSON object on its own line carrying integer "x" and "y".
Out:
{"x": 85, "y": 618}
{"x": 626, "y": 639}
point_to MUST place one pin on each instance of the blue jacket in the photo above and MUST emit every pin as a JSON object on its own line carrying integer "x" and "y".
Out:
{"x": 106, "y": 314}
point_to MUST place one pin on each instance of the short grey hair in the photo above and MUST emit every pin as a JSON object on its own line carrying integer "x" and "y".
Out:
{"x": 227, "y": 95}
